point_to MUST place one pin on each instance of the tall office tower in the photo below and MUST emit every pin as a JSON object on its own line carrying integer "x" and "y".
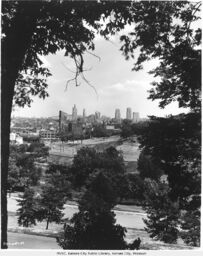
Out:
{"x": 74, "y": 113}
{"x": 129, "y": 113}
{"x": 136, "y": 117}
{"x": 117, "y": 114}
{"x": 97, "y": 115}
{"x": 84, "y": 114}
{"x": 62, "y": 120}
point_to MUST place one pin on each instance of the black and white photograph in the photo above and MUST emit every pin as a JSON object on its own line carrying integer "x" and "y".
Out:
{"x": 101, "y": 126}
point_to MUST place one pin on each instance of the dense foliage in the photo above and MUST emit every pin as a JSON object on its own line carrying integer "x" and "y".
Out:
{"x": 94, "y": 226}
{"x": 126, "y": 128}
{"x": 88, "y": 162}
{"x": 100, "y": 131}
{"x": 38, "y": 149}
{"x": 46, "y": 204}
{"x": 175, "y": 144}
{"x": 22, "y": 171}
{"x": 147, "y": 166}
{"x": 42, "y": 28}
{"x": 170, "y": 32}
{"x": 51, "y": 204}
{"x": 28, "y": 209}
{"x": 60, "y": 178}
{"x": 163, "y": 213}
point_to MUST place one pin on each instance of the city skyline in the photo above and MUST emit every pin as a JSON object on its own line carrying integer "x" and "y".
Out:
{"x": 118, "y": 115}
{"x": 75, "y": 113}
{"x": 113, "y": 85}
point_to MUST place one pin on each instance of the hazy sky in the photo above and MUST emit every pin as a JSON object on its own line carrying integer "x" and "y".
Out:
{"x": 117, "y": 86}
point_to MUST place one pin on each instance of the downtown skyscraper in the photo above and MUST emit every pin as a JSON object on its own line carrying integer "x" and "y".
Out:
{"x": 129, "y": 113}
{"x": 118, "y": 115}
{"x": 74, "y": 113}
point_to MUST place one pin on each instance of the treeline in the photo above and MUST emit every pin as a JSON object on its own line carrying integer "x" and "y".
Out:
{"x": 99, "y": 177}
{"x": 98, "y": 131}
{"x": 171, "y": 160}
{"x": 102, "y": 182}
{"x": 22, "y": 170}
{"x": 167, "y": 182}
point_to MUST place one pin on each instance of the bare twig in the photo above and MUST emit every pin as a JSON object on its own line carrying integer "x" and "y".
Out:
{"x": 79, "y": 64}
{"x": 93, "y": 55}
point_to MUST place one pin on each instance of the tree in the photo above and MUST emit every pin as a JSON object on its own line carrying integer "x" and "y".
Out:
{"x": 100, "y": 131}
{"x": 175, "y": 143}
{"x": 147, "y": 166}
{"x": 190, "y": 224}
{"x": 94, "y": 226}
{"x": 138, "y": 127}
{"x": 136, "y": 188}
{"x": 13, "y": 175}
{"x": 51, "y": 205}
{"x": 131, "y": 186}
{"x": 38, "y": 149}
{"x": 163, "y": 213}
{"x": 22, "y": 171}
{"x": 40, "y": 28}
{"x": 29, "y": 173}
{"x": 59, "y": 177}
{"x": 165, "y": 30}
{"x": 84, "y": 163}
{"x": 28, "y": 208}
{"x": 177, "y": 46}
{"x": 126, "y": 128}
{"x": 87, "y": 163}
{"x": 135, "y": 244}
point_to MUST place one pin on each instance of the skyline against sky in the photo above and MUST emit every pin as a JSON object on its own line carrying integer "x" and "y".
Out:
{"x": 116, "y": 85}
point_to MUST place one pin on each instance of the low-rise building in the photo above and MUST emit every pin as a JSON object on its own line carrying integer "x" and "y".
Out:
{"x": 48, "y": 134}
{"x": 16, "y": 138}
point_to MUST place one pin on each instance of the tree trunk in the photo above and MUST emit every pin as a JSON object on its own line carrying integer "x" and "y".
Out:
{"x": 47, "y": 224}
{"x": 14, "y": 47}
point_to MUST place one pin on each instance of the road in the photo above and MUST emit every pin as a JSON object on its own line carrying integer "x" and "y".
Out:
{"x": 24, "y": 241}
{"x": 128, "y": 219}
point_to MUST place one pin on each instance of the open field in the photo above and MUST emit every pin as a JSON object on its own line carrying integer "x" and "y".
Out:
{"x": 63, "y": 153}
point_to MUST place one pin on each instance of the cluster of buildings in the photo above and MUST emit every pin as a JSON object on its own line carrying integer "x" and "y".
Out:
{"x": 69, "y": 125}
{"x": 33, "y": 129}
{"x": 78, "y": 125}
{"x": 97, "y": 118}
{"x": 129, "y": 115}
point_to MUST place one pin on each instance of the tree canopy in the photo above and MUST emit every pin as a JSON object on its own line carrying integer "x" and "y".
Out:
{"x": 39, "y": 28}
{"x": 94, "y": 226}
{"x": 22, "y": 171}
{"x": 44, "y": 27}
{"x": 88, "y": 163}
{"x": 175, "y": 145}
{"x": 28, "y": 208}
{"x": 170, "y": 32}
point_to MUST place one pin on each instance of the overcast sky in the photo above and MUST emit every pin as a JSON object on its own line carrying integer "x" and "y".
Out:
{"x": 116, "y": 85}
